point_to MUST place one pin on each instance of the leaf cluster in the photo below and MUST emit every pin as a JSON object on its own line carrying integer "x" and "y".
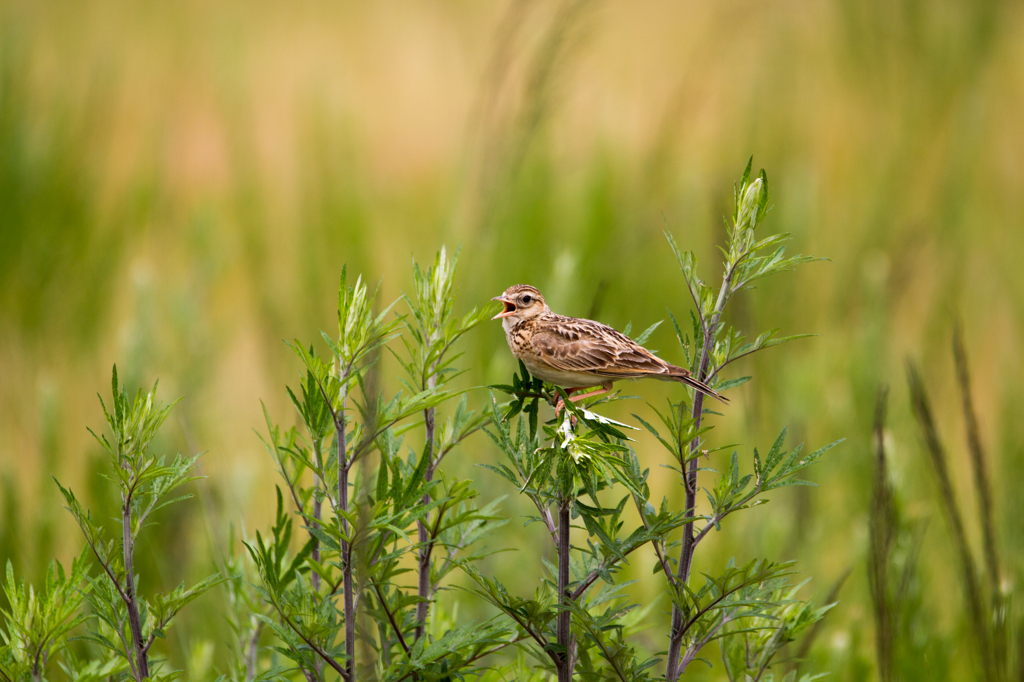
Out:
{"x": 710, "y": 345}
{"x": 37, "y": 624}
{"x": 127, "y": 625}
{"x": 713, "y": 346}
{"x": 777, "y": 619}
{"x": 574, "y": 461}
{"x": 431, "y": 328}
{"x": 355, "y": 553}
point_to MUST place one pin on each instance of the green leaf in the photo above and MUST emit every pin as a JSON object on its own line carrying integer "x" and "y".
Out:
{"x": 732, "y": 383}
{"x": 646, "y": 334}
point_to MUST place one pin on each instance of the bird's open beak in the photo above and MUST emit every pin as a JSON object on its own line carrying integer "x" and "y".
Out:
{"x": 509, "y": 308}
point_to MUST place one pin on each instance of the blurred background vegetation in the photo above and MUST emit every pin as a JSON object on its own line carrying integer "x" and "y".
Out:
{"x": 181, "y": 183}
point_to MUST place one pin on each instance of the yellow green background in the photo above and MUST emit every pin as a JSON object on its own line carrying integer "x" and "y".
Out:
{"x": 181, "y": 183}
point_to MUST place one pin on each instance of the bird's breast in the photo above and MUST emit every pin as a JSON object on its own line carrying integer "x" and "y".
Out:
{"x": 549, "y": 374}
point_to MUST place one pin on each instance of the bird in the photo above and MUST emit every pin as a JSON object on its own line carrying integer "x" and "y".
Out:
{"x": 575, "y": 353}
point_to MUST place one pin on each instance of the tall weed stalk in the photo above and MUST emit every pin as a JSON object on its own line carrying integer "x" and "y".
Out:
{"x": 986, "y": 600}
{"x": 712, "y": 347}
{"x": 127, "y": 625}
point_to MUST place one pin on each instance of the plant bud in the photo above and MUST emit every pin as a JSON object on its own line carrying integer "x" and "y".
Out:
{"x": 750, "y": 205}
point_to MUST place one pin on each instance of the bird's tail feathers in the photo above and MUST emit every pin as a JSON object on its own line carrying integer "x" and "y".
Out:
{"x": 686, "y": 378}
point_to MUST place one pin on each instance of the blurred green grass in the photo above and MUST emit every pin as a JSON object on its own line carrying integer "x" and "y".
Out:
{"x": 180, "y": 186}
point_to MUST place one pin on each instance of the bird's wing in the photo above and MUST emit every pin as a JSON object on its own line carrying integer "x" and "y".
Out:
{"x": 570, "y": 344}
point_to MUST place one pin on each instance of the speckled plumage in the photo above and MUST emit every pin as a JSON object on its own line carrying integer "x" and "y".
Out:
{"x": 576, "y": 353}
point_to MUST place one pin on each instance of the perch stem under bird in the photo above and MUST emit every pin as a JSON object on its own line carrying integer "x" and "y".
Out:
{"x": 575, "y": 353}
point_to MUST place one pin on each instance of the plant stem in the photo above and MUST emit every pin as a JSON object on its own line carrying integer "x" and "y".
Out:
{"x": 318, "y": 650}
{"x": 391, "y": 619}
{"x": 968, "y": 574}
{"x": 424, "y": 588}
{"x": 983, "y": 487}
{"x": 252, "y": 651}
{"x": 686, "y": 552}
{"x": 315, "y": 579}
{"x": 346, "y": 548}
{"x": 131, "y": 600}
{"x": 317, "y": 513}
{"x": 978, "y": 466}
{"x": 562, "y": 629}
{"x": 882, "y": 527}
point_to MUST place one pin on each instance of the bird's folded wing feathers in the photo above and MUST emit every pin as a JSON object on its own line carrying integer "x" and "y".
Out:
{"x": 586, "y": 346}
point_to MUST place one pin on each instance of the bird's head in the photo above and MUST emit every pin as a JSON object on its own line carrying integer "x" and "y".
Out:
{"x": 520, "y": 303}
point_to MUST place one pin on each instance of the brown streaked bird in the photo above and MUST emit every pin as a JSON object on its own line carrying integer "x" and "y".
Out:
{"x": 575, "y": 353}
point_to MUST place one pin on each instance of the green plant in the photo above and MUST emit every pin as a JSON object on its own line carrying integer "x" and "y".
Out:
{"x": 714, "y": 346}
{"x": 893, "y": 565}
{"x": 38, "y": 623}
{"x": 368, "y": 529}
{"x": 431, "y": 332}
{"x": 127, "y": 624}
{"x": 353, "y": 560}
{"x": 567, "y": 624}
{"x": 245, "y": 609}
{"x": 584, "y": 454}
{"x": 751, "y": 640}
{"x": 986, "y": 600}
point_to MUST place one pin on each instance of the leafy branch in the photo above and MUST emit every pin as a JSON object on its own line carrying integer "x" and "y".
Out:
{"x": 713, "y": 346}
{"x": 38, "y": 623}
{"x": 145, "y": 483}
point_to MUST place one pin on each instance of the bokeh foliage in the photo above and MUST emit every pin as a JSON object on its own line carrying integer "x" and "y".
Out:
{"x": 180, "y": 186}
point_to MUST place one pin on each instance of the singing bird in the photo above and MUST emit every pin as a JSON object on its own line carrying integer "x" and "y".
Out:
{"x": 575, "y": 353}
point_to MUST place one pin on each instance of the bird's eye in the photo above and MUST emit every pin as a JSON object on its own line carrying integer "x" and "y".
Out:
{"x": 527, "y": 300}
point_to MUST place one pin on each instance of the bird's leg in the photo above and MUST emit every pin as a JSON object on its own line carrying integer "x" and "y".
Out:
{"x": 561, "y": 403}
{"x": 605, "y": 388}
